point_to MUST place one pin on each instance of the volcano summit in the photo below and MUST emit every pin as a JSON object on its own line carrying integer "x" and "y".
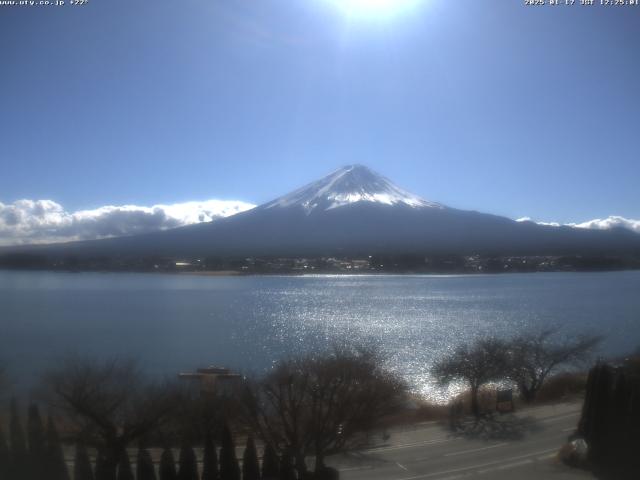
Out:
{"x": 346, "y": 186}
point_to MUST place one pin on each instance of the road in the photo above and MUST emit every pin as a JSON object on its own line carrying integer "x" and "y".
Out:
{"x": 522, "y": 446}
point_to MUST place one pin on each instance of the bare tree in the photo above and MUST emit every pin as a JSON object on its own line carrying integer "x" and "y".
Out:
{"x": 317, "y": 406}
{"x": 110, "y": 403}
{"x": 475, "y": 364}
{"x": 535, "y": 356}
{"x": 200, "y": 415}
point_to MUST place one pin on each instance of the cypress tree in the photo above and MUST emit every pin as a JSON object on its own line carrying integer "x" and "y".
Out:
{"x": 210, "y": 460}
{"x": 82, "y": 464}
{"x": 37, "y": 444}
{"x": 124, "y": 467}
{"x": 103, "y": 472}
{"x": 585, "y": 425}
{"x": 4, "y": 456}
{"x": 250, "y": 465}
{"x": 56, "y": 466}
{"x": 168, "y": 466}
{"x": 229, "y": 469}
{"x": 145, "y": 470}
{"x": 19, "y": 459}
{"x": 287, "y": 472}
{"x": 270, "y": 464}
{"x": 188, "y": 464}
{"x": 599, "y": 421}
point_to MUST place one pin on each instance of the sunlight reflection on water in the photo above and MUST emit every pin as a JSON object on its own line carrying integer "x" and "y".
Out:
{"x": 418, "y": 319}
{"x": 173, "y": 322}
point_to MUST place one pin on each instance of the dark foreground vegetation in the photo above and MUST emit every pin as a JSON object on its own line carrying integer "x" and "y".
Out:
{"x": 113, "y": 423}
{"x": 298, "y": 265}
{"x": 610, "y": 422}
{"x": 302, "y": 411}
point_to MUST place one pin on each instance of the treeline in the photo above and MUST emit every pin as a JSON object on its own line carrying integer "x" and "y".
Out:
{"x": 302, "y": 411}
{"x": 396, "y": 263}
{"x": 34, "y": 456}
{"x": 526, "y": 361}
{"x": 38, "y": 455}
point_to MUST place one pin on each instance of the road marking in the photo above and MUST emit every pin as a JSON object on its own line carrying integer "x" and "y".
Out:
{"x": 430, "y": 422}
{"x": 558, "y": 418}
{"x": 506, "y": 466}
{"x": 409, "y": 445}
{"x": 547, "y": 457}
{"x": 476, "y": 467}
{"x": 572, "y": 429}
{"x": 455, "y": 470}
{"x": 359, "y": 467}
{"x": 531, "y": 454}
{"x": 402, "y": 467}
{"x": 462, "y": 452}
{"x": 515, "y": 464}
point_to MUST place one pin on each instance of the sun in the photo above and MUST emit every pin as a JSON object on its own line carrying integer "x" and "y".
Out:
{"x": 373, "y": 8}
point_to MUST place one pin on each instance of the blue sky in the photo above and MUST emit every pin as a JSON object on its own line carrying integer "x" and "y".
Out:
{"x": 478, "y": 104}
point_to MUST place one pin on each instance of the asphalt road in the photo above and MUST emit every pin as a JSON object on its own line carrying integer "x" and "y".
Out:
{"x": 523, "y": 446}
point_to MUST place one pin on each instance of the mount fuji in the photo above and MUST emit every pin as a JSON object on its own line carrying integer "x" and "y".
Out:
{"x": 348, "y": 185}
{"x": 355, "y": 211}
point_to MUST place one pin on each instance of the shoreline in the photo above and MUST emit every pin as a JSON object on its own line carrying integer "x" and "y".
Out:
{"x": 235, "y": 273}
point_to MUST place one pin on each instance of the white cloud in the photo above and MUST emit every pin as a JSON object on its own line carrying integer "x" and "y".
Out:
{"x": 529, "y": 219}
{"x": 45, "y": 221}
{"x": 610, "y": 222}
{"x": 613, "y": 221}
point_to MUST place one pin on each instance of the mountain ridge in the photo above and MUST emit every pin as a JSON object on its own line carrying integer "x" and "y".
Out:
{"x": 354, "y": 211}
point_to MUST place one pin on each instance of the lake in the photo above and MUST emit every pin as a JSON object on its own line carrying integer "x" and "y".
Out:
{"x": 180, "y": 322}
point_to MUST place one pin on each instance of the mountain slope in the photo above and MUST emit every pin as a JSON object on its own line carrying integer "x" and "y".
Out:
{"x": 346, "y": 186}
{"x": 354, "y": 211}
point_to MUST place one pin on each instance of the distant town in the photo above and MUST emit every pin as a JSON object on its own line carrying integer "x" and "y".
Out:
{"x": 366, "y": 264}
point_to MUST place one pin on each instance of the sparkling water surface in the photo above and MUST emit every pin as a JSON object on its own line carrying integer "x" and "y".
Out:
{"x": 174, "y": 323}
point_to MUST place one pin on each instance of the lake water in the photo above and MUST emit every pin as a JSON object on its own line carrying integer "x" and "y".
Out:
{"x": 180, "y": 322}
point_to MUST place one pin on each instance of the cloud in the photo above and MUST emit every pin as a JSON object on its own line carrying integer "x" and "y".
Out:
{"x": 45, "y": 221}
{"x": 529, "y": 219}
{"x": 612, "y": 221}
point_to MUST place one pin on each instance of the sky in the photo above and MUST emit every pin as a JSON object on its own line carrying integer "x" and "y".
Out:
{"x": 488, "y": 105}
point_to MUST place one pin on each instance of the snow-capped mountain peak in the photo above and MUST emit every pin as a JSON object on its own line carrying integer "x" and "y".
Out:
{"x": 348, "y": 185}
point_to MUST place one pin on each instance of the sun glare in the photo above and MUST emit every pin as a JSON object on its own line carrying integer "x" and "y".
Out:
{"x": 373, "y": 8}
